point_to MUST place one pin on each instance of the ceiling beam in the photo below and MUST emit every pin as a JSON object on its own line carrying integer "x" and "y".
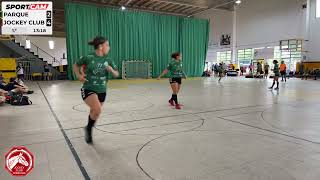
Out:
{"x": 164, "y": 4}
{"x": 114, "y": 2}
{"x": 148, "y": 3}
{"x": 180, "y": 3}
{"x": 185, "y": 8}
{"x": 169, "y": 6}
{"x": 195, "y": 11}
{"x": 215, "y": 7}
{"x": 122, "y": 2}
{"x": 139, "y": 3}
{"x": 175, "y": 8}
{"x": 128, "y": 2}
{"x": 189, "y": 10}
{"x": 152, "y": 6}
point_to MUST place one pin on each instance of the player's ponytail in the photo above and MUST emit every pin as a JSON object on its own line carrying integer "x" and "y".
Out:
{"x": 97, "y": 41}
{"x": 175, "y": 55}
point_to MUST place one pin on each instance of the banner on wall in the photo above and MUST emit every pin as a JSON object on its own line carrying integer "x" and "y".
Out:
{"x": 26, "y": 18}
{"x": 225, "y": 40}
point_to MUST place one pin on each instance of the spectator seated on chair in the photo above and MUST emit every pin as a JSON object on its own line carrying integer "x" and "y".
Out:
{"x": 291, "y": 74}
{"x": 306, "y": 74}
{"x": 316, "y": 73}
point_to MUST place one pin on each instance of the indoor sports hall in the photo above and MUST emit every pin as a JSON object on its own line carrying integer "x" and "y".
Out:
{"x": 160, "y": 90}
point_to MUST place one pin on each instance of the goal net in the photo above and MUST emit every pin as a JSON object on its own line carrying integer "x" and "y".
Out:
{"x": 136, "y": 69}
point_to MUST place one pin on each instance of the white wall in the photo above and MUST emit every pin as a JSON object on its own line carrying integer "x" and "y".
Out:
{"x": 313, "y": 47}
{"x": 262, "y": 22}
{"x": 59, "y": 46}
{"x": 220, "y": 23}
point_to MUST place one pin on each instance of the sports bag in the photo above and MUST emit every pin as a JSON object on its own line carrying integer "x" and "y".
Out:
{"x": 20, "y": 100}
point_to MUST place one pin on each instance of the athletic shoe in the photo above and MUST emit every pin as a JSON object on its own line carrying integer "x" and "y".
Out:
{"x": 171, "y": 102}
{"x": 276, "y": 88}
{"x": 270, "y": 88}
{"x": 178, "y": 106}
{"x": 87, "y": 136}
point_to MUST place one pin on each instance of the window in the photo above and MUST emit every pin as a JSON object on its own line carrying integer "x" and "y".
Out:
{"x": 291, "y": 52}
{"x": 245, "y": 56}
{"x": 318, "y": 9}
{"x": 277, "y": 53}
{"x": 224, "y": 56}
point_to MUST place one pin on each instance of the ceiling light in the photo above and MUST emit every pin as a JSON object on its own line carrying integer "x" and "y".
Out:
{"x": 123, "y": 8}
{"x": 28, "y": 44}
{"x": 51, "y": 44}
{"x": 238, "y": 1}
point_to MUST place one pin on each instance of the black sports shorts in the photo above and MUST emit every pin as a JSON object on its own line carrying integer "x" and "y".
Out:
{"x": 175, "y": 80}
{"x": 86, "y": 93}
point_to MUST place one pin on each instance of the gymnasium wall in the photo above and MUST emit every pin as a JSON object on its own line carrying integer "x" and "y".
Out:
{"x": 267, "y": 21}
{"x": 313, "y": 45}
{"x": 260, "y": 23}
{"x": 221, "y": 22}
{"x": 60, "y": 46}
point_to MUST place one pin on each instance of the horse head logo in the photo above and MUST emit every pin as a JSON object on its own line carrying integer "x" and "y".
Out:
{"x": 17, "y": 159}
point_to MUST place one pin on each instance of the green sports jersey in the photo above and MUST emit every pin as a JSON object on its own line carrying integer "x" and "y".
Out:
{"x": 95, "y": 71}
{"x": 276, "y": 70}
{"x": 175, "y": 69}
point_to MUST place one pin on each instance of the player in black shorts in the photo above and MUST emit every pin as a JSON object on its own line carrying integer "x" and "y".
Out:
{"x": 94, "y": 79}
{"x": 176, "y": 73}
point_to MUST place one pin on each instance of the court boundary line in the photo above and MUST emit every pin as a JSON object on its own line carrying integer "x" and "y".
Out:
{"x": 70, "y": 145}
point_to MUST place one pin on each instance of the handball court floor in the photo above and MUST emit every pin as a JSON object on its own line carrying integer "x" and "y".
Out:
{"x": 236, "y": 130}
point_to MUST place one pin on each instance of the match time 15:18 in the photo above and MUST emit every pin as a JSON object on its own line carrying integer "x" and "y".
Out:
{"x": 37, "y": 30}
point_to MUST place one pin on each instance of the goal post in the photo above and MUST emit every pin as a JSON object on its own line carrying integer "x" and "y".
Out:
{"x": 136, "y": 69}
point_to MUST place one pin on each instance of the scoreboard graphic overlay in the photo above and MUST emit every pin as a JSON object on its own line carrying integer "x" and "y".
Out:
{"x": 26, "y": 18}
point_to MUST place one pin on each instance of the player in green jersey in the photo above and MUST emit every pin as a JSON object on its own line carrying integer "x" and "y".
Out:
{"x": 93, "y": 71}
{"x": 276, "y": 75}
{"x": 176, "y": 73}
